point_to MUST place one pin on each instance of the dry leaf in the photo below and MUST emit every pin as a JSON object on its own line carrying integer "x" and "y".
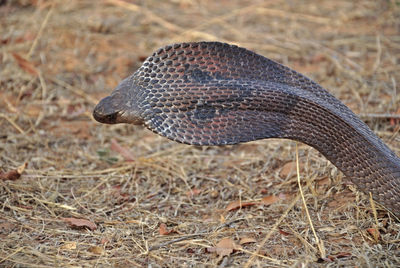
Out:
{"x": 394, "y": 121}
{"x": 343, "y": 255}
{"x": 80, "y": 223}
{"x": 326, "y": 259}
{"x": 25, "y": 65}
{"x": 164, "y": 231}
{"x": 246, "y": 240}
{"x": 222, "y": 218}
{"x": 374, "y": 232}
{"x": 268, "y": 200}
{"x": 340, "y": 255}
{"x": 238, "y": 204}
{"x": 288, "y": 169}
{"x": 283, "y": 232}
{"x": 126, "y": 154}
{"x": 120, "y": 197}
{"x": 33, "y": 110}
{"x": 323, "y": 181}
{"x": 10, "y": 175}
{"x": 69, "y": 246}
{"x": 224, "y": 247}
{"x": 193, "y": 192}
{"x": 104, "y": 240}
{"x": 96, "y": 250}
{"x": 13, "y": 174}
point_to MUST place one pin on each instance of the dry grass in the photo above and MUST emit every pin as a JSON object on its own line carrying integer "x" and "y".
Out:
{"x": 59, "y": 58}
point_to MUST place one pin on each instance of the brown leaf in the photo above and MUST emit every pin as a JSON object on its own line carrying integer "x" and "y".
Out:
{"x": 323, "y": 181}
{"x": 374, "y": 232}
{"x": 288, "y": 169}
{"x": 126, "y": 154}
{"x": 340, "y": 255}
{"x": 326, "y": 259}
{"x": 394, "y": 121}
{"x": 246, "y": 240}
{"x": 163, "y": 230}
{"x": 269, "y": 200}
{"x": 283, "y": 232}
{"x": 10, "y": 175}
{"x": 13, "y": 174}
{"x": 33, "y": 110}
{"x": 80, "y": 223}
{"x": 343, "y": 255}
{"x": 25, "y": 65}
{"x": 224, "y": 247}
{"x": 238, "y": 204}
{"x": 96, "y": 250}
{"x": 193, "y": 192}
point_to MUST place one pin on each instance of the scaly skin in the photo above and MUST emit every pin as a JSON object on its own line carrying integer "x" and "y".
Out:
{"x": 212, "y": 93}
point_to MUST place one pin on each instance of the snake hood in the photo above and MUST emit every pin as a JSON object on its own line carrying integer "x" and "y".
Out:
{"x": 212, "y": 93}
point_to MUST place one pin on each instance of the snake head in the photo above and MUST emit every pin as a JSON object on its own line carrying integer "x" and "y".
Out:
{"x": 117, "y": 108}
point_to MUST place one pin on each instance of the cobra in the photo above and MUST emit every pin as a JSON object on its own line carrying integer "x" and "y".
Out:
{"x": 210, "y": 93}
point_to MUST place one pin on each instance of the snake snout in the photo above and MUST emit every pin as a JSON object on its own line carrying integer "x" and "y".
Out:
{"x": 110, "y": 110}
{"x": 118, "y": 108}
{"x": 106, "y": 111}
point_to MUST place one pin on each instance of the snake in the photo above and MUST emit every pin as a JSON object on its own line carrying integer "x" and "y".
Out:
{"x": 213, "y": 93}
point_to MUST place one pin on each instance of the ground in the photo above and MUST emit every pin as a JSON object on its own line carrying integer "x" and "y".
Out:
{"x": 76, "y": 193}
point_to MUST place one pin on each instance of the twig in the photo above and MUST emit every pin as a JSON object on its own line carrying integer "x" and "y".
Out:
{"x": 281, "y": 263}
{"x": 380, "y": 116}
{"x": 298, "y": 16}
{"x": 160, "y": 21}
{"x": 12, "y": 123}
{"x": 155, "y": 18}
{"x": 12, "y": 254}
{"x": 75, "y": 90}
{"x": 373, "y": 207}
{"x": 174, "y": 241}
{"x": 39, "y": 35}
{"x": 228, "y": 223}
{"x": 218, "y": 19}
{"x": 319, "y": 242}
{"x": 378, "y": 54}
{"x": 274, "y": 227}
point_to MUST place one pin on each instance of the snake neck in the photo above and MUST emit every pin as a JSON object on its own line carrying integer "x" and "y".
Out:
{"x": 335, "y": 131}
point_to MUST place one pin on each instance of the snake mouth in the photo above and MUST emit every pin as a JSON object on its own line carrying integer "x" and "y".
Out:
{"x": 105, "y": 112}
{"x": 110, "y": 110}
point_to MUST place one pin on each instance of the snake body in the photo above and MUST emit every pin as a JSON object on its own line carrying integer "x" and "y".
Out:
{"x": 211, "y": 93}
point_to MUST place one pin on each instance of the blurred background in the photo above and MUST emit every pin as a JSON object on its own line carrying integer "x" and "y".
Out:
{"x": 59, "y": 58}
